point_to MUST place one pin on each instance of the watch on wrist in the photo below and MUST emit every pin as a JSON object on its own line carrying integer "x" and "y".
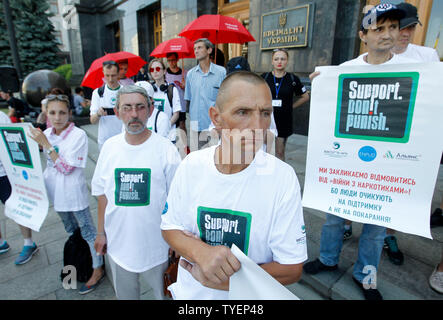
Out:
{"x": 49, "y": 151}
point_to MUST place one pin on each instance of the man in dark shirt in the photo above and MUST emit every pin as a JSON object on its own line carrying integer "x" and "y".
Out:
{"x": 17, "y": 108}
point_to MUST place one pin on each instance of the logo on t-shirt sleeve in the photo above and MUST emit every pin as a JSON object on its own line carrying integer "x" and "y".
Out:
{"x": 224, "y": 227}
{"x": 132, "y": 187}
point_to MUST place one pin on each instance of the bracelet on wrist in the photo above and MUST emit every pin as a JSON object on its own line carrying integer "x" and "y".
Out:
{"x": 101, "y": 234}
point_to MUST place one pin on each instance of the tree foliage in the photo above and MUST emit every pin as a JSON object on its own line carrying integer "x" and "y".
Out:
{"x": 37, "y": 46}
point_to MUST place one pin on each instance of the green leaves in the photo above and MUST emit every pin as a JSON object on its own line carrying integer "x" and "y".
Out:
{"x": 36, "y": 43}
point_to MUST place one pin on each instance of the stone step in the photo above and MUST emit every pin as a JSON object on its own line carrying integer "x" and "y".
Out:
{"x": 406, "y": 282}
{"x": 422, "y": 249}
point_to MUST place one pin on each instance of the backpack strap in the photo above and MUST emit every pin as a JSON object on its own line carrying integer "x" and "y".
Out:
{"x": 101, "y": 91}
{"x": 155, "y": 121}
{"x": 170, "y": 95}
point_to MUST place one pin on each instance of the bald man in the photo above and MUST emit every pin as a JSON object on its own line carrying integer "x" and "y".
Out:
{"x": 241, "y": 195}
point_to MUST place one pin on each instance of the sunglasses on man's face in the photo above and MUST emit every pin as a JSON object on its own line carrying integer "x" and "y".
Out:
{"x": 158, "y": 69}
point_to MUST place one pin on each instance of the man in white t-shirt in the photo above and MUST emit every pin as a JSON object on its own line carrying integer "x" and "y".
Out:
{"x": 239, "y": 195}
{"x": 103, "y": 103}
{"x": 131, "y": 180}
{"x": 158, "y": 120}
{"x": 379, "y": 31}
{"x": 403, "y": 47}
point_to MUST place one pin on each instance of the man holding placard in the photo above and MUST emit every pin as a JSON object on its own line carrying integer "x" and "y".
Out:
{"x": 379, "y": 31}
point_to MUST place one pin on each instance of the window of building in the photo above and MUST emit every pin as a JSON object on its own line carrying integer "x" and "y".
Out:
{"x": 157, "y": 27}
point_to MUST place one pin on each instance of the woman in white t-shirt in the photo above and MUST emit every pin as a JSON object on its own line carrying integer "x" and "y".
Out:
{"x": 66, "y": 147}
{"x": 162, "y": 102}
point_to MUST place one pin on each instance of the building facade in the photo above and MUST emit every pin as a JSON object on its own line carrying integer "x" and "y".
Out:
{"x": 315, "y": 32}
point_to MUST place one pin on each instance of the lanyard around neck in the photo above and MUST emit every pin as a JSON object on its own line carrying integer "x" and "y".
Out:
{"x": 277, "y": 86}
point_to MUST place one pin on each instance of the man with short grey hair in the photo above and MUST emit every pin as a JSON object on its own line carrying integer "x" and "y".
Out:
{"x": 202, "y": 84}
{"x": 131, "y": 180}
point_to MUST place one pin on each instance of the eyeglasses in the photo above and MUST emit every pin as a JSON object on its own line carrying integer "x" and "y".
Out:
{"x": 60, "y": 97}
{"x": 109, "y": 62}
{"x": 156, "y": 69}
{"x": 137, "y": 108}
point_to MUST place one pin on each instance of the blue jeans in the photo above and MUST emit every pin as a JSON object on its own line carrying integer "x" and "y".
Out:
{"x": 82, "y": 219}
{"x": 370, "y": 245}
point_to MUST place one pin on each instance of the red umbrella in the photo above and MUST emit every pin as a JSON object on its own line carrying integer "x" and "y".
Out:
{"x": 182, "y": 46}
{"x": 94, "y": 76}
{"x": 218, "y": 29}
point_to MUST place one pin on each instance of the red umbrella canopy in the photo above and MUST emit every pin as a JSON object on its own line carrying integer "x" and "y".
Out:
{"x": 183, "y": 46}
{"x": 94, "y": 76}
{"x": 218, "y": 29}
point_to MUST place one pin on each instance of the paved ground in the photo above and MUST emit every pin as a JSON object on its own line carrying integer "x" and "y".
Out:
{"x": 39, "y": 279}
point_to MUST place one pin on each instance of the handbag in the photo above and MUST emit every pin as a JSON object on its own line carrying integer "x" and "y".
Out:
{"x": 170, "y": 275}
{"x": 76, "y": 253}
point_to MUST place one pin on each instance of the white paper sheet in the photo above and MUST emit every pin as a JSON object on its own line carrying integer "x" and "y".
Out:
{"x": 251, "y": 282}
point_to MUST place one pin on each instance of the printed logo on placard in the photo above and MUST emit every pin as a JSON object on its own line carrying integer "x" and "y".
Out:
{"x": 402, "y": 156}
{"x": 376, "y": 106}
{"x": 17, "y": 146}
{"x": 367, "y": 153}
{"x": 224, "y": 227}
{"x": 132, "y": 186}
{"x": 335, "y": 152}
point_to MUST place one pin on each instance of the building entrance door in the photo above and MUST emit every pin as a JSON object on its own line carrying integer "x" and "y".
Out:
{"x": 238, "y": 9}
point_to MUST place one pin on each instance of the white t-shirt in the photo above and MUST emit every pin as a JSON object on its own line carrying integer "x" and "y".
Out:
{"x": 420, "y": 53}
{"x": 126, "y": 82}
{"x": 161, "y": 102}
{"x": 68, "y": 192}
{"x": 3, "y": 120}
{"x": 163, "y": 123}
{"x": 108, "y": 126}
{"x": 135, "y": 180}
{"x": 259, "y": 209}
{"x": 360, "y": 61}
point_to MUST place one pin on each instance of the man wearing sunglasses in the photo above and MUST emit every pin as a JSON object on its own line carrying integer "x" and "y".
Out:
{"x": 102, "y": 104}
